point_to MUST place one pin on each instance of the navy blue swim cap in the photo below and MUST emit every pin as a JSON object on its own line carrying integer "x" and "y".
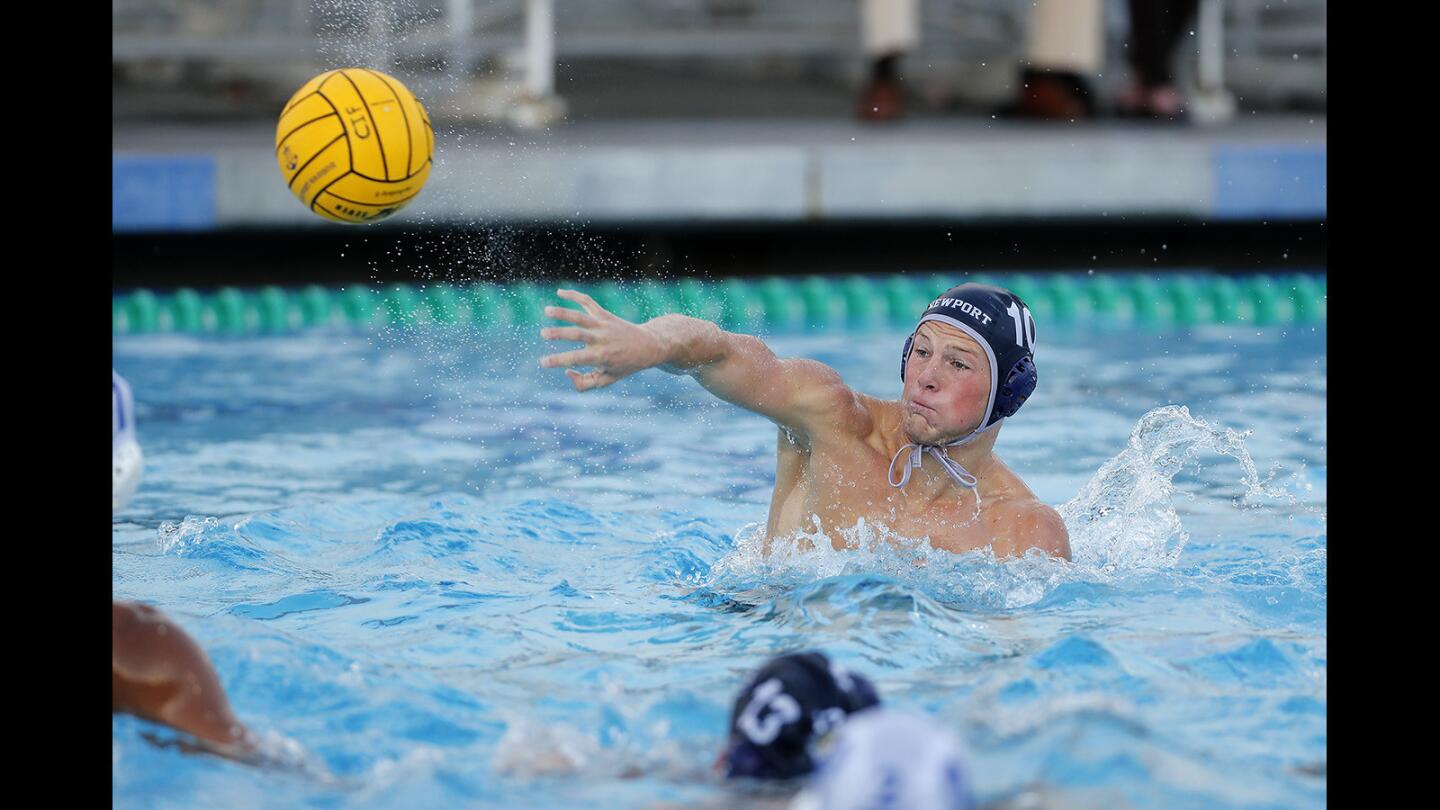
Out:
{"x": 792, "y": 701}
{"x": 1001, "y": 323}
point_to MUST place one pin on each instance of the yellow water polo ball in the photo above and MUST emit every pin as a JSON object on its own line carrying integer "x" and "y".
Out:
{"x": 354, "y": 145}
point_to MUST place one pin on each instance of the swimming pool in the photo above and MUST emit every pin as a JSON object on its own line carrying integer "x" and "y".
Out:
{"x": 453, "y": 581}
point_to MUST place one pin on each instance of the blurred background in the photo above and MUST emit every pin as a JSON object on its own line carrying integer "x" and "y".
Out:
{"x": 731, "y": 137}
{"x": 388, "y": 537}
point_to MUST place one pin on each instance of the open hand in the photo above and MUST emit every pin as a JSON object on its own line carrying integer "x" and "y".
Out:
{"x": 614, "y": 347}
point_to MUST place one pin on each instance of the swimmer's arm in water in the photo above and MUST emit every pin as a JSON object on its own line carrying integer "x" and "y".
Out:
{"x": 797, "y": 393}
{"x": 161, "y": 674}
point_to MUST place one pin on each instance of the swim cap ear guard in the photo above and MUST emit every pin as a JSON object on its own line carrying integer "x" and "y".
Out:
{"x": 1001, "y": 323}
{"x": 1018, "y": 386}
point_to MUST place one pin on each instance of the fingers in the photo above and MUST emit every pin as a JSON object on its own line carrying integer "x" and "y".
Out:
{"x": 589, "y": 356}
{"x": 580, "y": 357}
{"x": 583, "y": 300}
{"x": 567, "y": 333}
{"x": 590, "y": 379}
{"x": 568, "y": 314}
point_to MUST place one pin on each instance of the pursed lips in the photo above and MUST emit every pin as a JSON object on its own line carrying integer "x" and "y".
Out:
{"x": 920, "y": 408}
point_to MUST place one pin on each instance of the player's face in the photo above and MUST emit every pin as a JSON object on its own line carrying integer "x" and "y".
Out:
{"x": 947, "y": 385}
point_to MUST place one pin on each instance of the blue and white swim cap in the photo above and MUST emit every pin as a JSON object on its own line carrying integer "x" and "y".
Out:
{"x": 891, "y": 759}
{"x": 127, "y": 462}
{"x": 785, "y": 708}
{"x": 1001, "y": 323}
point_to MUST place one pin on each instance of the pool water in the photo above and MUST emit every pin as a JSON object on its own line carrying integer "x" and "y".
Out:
{"x": 431, "y": 574}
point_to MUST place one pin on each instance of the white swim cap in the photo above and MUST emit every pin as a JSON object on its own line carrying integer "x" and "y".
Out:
{"x": 127, "y": 462}
{"x": 891, "y": 759}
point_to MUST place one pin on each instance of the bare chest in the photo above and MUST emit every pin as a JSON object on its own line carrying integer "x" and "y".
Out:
{"x": 840, "y": 484}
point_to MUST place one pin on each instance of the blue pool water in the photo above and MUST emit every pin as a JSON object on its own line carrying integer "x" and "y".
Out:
{"x": 431, "y": 574}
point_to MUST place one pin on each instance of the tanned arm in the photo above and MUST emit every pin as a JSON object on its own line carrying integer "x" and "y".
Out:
{"x": 799, "y": 394}
{"x": 161, "y": 674}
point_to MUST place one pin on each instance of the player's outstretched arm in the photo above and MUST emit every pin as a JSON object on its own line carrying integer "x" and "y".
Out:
{"x": 161, "y": 674}
{"x": 800, "y": 394}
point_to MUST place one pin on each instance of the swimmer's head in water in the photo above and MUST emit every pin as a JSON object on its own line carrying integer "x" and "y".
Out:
{"x": 971, "y": 363}
{"x": 126, "y": 460}
{"x": 784, "y": 708}
{"x": 898, "y": 760}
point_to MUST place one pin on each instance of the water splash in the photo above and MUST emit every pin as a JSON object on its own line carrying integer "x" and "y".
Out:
{"x": 626, "y": 745}
{"x": 887, "y": 562}
{"x": 531, "y": 749}
{"x": 807, "y": 555}
{"x": 1124, "y": 517}
{"x": 177, "y": 537}
{"x": 275, "y": 750}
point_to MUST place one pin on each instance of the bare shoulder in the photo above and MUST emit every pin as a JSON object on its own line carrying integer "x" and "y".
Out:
{"x": 1025, "y": 523}
{"x": 834, "y": 405}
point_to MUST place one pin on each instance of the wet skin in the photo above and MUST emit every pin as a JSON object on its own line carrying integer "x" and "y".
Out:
{"x": 834, "y": 446}
{"x": 159, "y": 673}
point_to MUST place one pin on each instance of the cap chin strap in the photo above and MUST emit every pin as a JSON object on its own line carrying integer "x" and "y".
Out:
{"x": 956, "y": 470}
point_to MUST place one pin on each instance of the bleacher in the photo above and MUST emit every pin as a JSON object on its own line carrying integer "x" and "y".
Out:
{"x": 713, "y": 111}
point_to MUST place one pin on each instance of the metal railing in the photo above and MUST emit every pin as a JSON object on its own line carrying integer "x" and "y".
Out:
{"x": 1268, "y": 50}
